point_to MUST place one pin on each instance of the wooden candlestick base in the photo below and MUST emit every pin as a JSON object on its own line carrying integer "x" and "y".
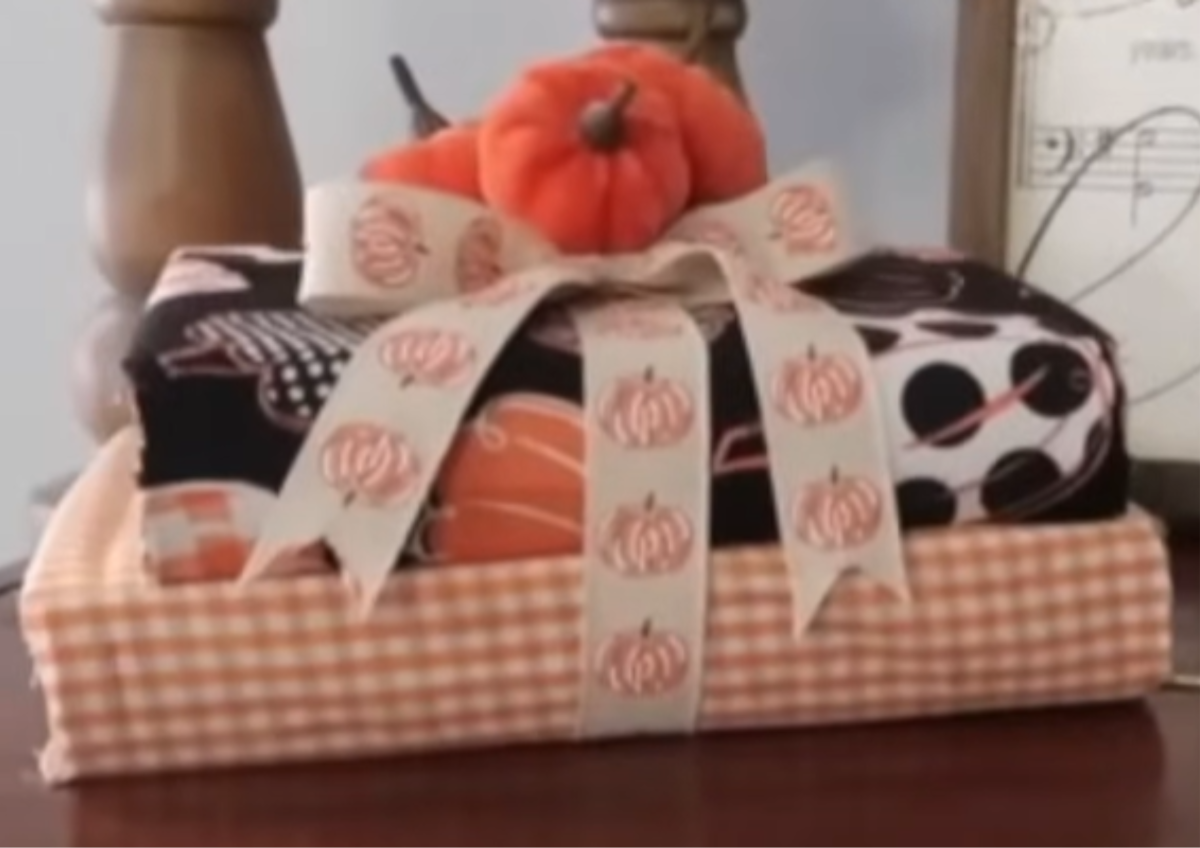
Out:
{"x": 98, "y": 385}
{"x": 219, "y": 169}
{"x": 671, "y": 22}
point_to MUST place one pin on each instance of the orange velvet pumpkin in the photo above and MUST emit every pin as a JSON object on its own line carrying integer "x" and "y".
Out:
{"x": 443, "y": 158}
{"x": 446, "y": 161}
{"x": 723, "y": 139}
{"x": 582, "y": 154}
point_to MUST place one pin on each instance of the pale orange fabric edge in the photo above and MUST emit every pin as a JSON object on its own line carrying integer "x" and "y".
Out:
{"x": 89, "y": 558}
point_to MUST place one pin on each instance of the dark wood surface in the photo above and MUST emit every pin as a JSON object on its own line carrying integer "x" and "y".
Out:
{"x": 1119, "y": 775}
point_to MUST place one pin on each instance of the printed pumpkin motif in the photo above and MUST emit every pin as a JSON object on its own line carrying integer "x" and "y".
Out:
{"x": 387, "y": 243}
{"x": 511, "y": 485}
{"x": 804, "y": 221}
{"x": 477, "y": 260}
{"x": 647, "y": 539}
{"x": 839, "y": 513}
{"x": 817, "y": 389}
{"x": 645, "y": 411}
{"x": 643, "y": 663}
{"x": 429, "y": 357}
{"x": 366, "y": 462}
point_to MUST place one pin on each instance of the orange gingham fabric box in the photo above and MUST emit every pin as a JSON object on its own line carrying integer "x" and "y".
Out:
{"x": 139, "y": 677}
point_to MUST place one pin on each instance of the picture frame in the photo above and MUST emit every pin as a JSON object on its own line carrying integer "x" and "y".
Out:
{"x": 985, "y": 112}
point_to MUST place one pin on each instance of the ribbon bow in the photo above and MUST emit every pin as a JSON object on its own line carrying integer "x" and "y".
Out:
{"x": 461, "y": 281}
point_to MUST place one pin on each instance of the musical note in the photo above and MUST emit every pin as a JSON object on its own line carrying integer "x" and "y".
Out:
{"x": 1167, "y": 158}
{"x": 1143, "y": 182}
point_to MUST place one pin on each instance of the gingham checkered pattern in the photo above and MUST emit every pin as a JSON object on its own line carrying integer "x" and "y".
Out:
{"x": 140, "y": 677}
{"x": 200, "y": 531}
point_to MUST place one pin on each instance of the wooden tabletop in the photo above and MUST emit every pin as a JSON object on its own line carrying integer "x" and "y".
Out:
{"x": 1114, "y": 775}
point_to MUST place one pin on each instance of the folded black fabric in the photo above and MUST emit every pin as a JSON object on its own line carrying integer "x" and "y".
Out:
{"x": 1003, "y": 405}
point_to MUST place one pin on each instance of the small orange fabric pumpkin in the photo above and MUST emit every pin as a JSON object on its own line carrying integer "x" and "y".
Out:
{"x": 591, "y": 160}
{"x": 723, "y": 139}
{"x": 446, "y": 161}
{"x": 444, "y": 157}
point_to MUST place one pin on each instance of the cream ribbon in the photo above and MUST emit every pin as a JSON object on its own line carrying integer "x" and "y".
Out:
{"x": 461, "y": 280}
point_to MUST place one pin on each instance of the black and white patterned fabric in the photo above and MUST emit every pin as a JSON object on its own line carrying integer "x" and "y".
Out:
{"x": 1003, "y": 405}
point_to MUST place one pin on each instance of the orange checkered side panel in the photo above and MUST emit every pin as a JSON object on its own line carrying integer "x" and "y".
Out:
{"x": 141, "y": 677}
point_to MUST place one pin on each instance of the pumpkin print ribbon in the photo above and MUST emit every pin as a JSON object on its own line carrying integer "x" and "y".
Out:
{"x": 646, "y": 407}
{"x": 461, "y": 281}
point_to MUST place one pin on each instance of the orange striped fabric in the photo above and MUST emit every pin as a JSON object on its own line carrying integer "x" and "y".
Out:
{"x": 142, "y": 677}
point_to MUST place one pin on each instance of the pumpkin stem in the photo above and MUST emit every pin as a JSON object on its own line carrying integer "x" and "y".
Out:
{"x": 425, "y": 119}
{"x": 835, "y": 475}
{"x": 650, "y": 503}
{"x": 812, "y": 352}
{"x": 647, "y": 627}
{"x": 603, "y": 123}
{"x": 648, "y": 374}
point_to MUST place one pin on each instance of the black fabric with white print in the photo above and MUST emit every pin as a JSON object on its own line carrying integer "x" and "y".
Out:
{"x": 1003, "y": 405}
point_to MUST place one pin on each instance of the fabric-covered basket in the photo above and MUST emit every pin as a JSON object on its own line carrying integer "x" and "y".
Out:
{"x": 143, "y": 678}
{"x": 651, "y": 629}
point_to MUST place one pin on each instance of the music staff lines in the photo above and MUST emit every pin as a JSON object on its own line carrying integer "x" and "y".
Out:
{"x": 1153, "y": 161}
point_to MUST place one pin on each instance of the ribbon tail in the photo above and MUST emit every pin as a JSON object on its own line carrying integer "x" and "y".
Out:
{"x": 823, "y": 459}
{"x": 812, "y": 586}
{"x": 364, "y": 587}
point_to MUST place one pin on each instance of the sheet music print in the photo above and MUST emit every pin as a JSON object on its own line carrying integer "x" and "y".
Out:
{"x": 1105, "y": 191}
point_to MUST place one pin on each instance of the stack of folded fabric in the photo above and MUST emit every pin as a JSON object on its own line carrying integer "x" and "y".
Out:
{"x": 447, "y": 480}
{"x": 1002, "y": 407}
